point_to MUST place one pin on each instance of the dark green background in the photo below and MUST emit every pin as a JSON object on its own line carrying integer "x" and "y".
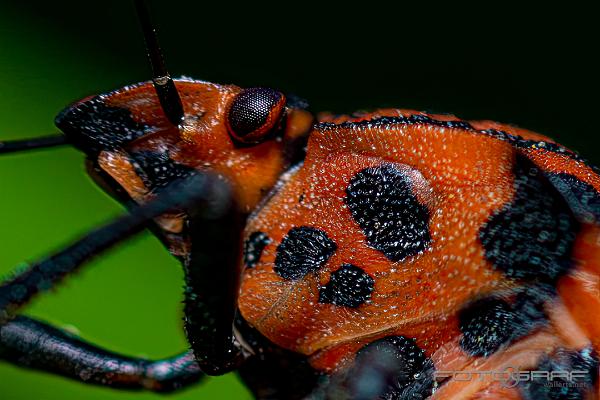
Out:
{"x": 535, "y": 67}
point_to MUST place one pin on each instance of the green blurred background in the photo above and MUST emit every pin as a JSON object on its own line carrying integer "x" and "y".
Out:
{"x": 535, "y": 67}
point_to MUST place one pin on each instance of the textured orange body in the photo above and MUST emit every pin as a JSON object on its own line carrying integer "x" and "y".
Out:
{"x": 460, "y": 177}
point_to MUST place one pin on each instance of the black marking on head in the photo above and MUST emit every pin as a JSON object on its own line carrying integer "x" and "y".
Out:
{"x": 253, "y": 248}
{"x": 420, "y": 119}
{"x": 349, "y": 286}
{"x": 574, "y": 387}
{"x": 490, "y": 323}
{"x": 92, "y": 126}
{"x": 583, "y": 199}
{"x": 389, "y": 214}
{"x": 532, "y": 237}
{"x": 158, "y": 170}
{"x": 304, "y": 249}
{"x": 393, "y": 367}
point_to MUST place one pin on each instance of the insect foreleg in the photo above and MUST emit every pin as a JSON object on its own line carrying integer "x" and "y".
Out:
{"x": 212, "y": 275}
{"x": 202, "y": 190}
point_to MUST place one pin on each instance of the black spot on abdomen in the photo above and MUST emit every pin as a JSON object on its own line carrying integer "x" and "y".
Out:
{"x": 304, "y": 249}
{"x": 390, "y": 216}
{"x": 575, "y": 387}
{"x": 393, "y": 367}
{"x": 253, "y": 248}
{"x": 92, "y": 126}
{"x": 349, "y": 286}
{"x": 158, "y": 170}
{"x": 532, "y": 237}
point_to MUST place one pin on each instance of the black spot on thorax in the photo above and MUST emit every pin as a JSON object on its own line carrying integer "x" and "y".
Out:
{"x": 389, "y": 214}
{"x": 349, "y": 286}
{"x": 304, "y": 249}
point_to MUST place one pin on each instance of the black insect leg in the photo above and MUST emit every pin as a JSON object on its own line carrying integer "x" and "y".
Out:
{"x": 274, "y": 373}
{"x": 393, "y": 367}
{"x": 11, "y": 146}
{"x": 212, "y": 274}
{"x": 212, "y": 267}
{"x": 205, "y": 191}
{"x": 34, "y": 344}
{"x": 370, "y": 377}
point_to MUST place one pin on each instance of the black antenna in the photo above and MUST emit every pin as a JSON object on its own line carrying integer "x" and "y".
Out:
{"x": 12, "y": 146}
{"x": 163, "y": 83}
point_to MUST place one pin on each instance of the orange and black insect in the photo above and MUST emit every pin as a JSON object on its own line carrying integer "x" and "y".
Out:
{"x": 386, "y": 255}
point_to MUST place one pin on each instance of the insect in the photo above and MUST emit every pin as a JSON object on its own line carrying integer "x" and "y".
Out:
{"x": 400, "y": 248}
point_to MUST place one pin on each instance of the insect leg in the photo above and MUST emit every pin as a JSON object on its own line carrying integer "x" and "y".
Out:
{"x": 212, "y": 274}
{"x": 205, "y": 191}
{"x": 33, "y": 344}
{"x": 12, "y": 146}
{"x": 368, "y": 378}
{"x": 383, "y": 369}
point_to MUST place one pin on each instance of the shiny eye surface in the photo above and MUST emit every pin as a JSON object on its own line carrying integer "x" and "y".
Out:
{"x": 254, "y": 114}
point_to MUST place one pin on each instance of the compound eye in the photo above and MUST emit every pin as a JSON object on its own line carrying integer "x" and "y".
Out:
{"x": 254, "y": 114}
